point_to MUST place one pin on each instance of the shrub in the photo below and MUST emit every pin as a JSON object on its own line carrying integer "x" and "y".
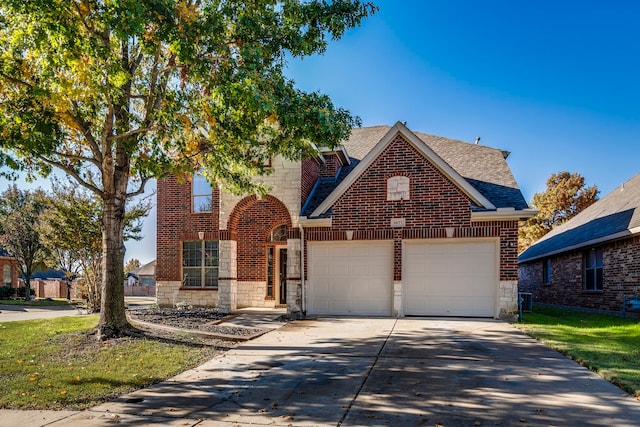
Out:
{"x": 183, "y": 305}
{"x": 7, "y": 292}
{"x": 20, "y": 292}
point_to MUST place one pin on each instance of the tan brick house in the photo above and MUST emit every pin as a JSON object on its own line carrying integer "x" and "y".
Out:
{"x": 391, "y": 223}
{"x": 593, "y": 260}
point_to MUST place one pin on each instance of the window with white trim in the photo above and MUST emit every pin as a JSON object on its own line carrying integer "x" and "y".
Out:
{"x": 593, "y": 270}
{"x": 201, "y": 194}
{"x": 200, "y": 264}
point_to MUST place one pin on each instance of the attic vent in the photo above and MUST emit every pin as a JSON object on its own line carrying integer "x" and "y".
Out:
{"x": 477, "y": 139}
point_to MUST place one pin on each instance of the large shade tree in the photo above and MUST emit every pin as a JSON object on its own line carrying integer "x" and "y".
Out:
{"x": 114, "y": 92}
{"x": 566, "y": 196}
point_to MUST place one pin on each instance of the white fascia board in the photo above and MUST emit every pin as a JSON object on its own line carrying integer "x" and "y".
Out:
{"x": 318, "y": 222}
{"x": 503, "y": 214}
{"x": 423, "y": 148}
{"x": 340, "y": 151}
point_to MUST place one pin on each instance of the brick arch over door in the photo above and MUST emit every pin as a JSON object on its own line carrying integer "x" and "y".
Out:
{"x": 250, "y": 223}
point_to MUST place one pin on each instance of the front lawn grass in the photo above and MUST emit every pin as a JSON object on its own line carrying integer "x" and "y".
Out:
{"x": 605, "y": 344}
{"x": 56, "y": 364}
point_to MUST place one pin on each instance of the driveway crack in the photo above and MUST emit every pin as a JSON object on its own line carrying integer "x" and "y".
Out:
{"x": 366, "y": 377}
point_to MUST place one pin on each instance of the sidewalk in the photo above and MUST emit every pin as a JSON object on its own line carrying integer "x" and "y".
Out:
{"x": 106, "y": 413}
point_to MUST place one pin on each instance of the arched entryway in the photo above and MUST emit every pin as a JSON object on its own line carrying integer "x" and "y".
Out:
{"x": 261, "y": 229}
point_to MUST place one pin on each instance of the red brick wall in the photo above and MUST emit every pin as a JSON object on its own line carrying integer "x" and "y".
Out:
{"x": 507, "y": 231}
{"x": 251, "y": 221}
{"x": 9, "y": 261}
{"x": 331, "y": 167}
{"x": 621, "y": 275}
{"x": 309, "y": 172}
{"x": 434, "y": 200}
{"x": 176, "y": 223}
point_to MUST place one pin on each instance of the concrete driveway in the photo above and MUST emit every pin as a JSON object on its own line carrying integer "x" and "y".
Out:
{"x": 378, "y": 372}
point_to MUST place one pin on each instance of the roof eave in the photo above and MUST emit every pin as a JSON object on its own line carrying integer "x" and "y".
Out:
{"x": 504, "y": 214}
{"x": 593, "y": 242}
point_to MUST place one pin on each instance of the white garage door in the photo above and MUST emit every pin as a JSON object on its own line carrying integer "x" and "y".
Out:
{"x": 450, "y": 279}
{"x": 350, "y": 278}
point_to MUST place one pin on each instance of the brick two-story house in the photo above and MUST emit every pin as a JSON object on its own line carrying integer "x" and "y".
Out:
{"x": 391, "y": 223}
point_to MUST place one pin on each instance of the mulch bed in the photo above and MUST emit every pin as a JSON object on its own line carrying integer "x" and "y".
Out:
{"x": 198, "y": 320}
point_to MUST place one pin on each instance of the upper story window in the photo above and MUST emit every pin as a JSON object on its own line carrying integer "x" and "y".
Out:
{"x": 201, "y": 193}
{"x": 593, "y": 270}
{"x": 546, "y": 271}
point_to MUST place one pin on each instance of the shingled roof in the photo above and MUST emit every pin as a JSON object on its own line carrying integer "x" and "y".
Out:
{"x": 614, "y": 216}
{"x": 484, "y": 168}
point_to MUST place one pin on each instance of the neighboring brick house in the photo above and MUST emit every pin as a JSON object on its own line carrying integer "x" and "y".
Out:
{"x": 592, "y": 260}
{"x": 9, "y": 269}
{"x": 391, "y": 223}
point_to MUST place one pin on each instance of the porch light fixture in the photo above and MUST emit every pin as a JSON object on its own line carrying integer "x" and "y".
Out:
{"x": 201, "y": 235}
{"x": 449, "y": 232}
{"x": 349, "y": 234}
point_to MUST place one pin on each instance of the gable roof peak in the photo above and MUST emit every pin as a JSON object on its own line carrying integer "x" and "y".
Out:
{"x": 400, "y": 128}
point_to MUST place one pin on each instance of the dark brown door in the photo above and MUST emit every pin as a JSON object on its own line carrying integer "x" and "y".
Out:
{"x": 282, "y": 268}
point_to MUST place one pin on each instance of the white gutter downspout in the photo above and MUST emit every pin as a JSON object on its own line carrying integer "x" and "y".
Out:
{"x": 302, "y": 283}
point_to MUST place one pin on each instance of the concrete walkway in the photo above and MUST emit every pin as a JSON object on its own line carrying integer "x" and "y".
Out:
{"x": 371, "y": 372}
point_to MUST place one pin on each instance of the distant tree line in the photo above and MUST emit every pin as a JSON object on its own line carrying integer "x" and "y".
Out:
{"x": 62, "y": 230}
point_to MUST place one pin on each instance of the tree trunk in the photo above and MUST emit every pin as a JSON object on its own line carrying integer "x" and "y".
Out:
{"x": 113, "y": 320}
{"x": 27, "y": 289}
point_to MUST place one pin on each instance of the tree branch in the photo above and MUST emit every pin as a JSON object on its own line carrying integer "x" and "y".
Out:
{"x": 74, "y": 174}
{"x": 130, "y": 133}
{"x": 140, "y": 189}
{"x": 14, "y": 80}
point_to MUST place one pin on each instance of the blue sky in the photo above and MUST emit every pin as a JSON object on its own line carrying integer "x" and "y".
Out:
{"x": 556, "y": 83}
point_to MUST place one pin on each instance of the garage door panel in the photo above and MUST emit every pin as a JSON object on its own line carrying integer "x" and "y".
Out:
{"x": 450, "y": 279}
{"x": 350, "y": 278}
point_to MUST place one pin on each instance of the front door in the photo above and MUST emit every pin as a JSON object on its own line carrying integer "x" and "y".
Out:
{"x": 282, "y": 275}
{"x": 277, "y": 274}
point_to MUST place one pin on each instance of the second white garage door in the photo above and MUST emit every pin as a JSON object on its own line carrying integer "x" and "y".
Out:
{"x": 350, "y": 278}
{"x": 450, "y": 279}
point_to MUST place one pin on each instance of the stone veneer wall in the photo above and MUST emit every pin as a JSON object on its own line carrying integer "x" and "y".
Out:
{"x": 285, "y": 184}
{"x": 168, "y": 294}
{"x": 508, "y": 300}
{"x": 294, "y": 280}
{"x": 252, "y": 294}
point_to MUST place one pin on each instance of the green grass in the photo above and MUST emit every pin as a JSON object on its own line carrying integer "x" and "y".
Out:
{"x": 36, "y": 303}
{"x": 55, "y": 364}
{"x": 605, "y": 344}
